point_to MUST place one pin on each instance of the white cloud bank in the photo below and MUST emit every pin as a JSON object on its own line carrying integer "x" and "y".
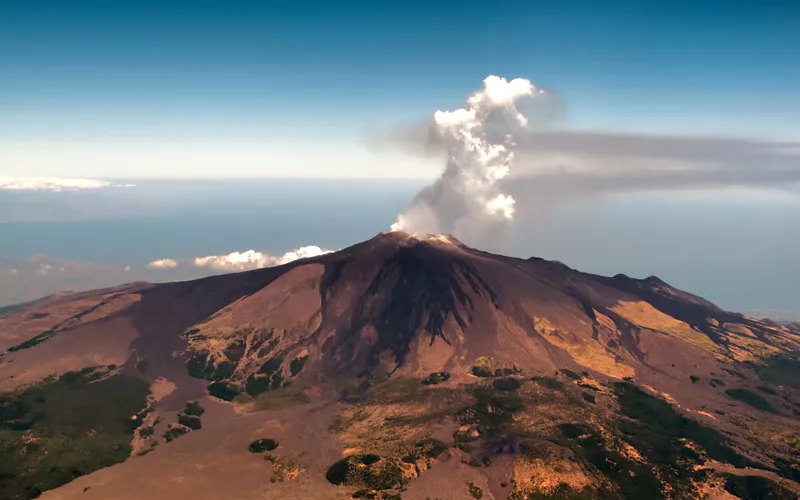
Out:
{"x": 163, "y": 264}
{"x": 241, "y": 261}
{"x": 55, "y": 184}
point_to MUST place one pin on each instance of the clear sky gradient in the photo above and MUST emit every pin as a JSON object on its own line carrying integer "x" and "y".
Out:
{"x": 171, "y": 88}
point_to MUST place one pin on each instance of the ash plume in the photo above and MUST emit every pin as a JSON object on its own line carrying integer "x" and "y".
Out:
{"x": 467, "y": 199}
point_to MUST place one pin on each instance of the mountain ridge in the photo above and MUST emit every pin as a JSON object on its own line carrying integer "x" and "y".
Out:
{"x": 334, "y": 333}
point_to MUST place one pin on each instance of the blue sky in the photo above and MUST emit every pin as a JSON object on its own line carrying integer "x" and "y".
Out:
{"x": 126, "y": 89}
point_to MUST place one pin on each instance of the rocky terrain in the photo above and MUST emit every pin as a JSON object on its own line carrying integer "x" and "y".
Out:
{"x": 401, "y": 367}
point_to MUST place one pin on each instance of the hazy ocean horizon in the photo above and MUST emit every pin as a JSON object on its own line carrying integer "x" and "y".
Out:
{"x": 741, "y": 256}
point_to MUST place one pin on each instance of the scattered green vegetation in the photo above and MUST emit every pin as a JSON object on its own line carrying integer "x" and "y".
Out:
{"x": 65, "y": 428}
{"x": 750, "y": 398}
{"x": 564, "y": 492}
{"x": 223, "y": 370}
{"x": 223, "y": 390}
{"x": 262, "y": 445}
{"x": 493, "y": 411}
{"x": 39, "y": 315}
{"x": 271, "y": 366}
{"x": 369, "y": 494}
{"x": 590, "y": 447}
{"x": 146, "y": 432}
{"x": 42, "y": 337}
{"x": 190, "y": 421}
{"x": 549, "y": 383}
{"x": 756, "y": 488}
{"x": 384, "y": 474}
{"x": 781, "y": 369}
{"x": 427, "y": 448}
{"x": 570, "y": 374}
{"x": 197, "y": 366}
{"x": 715, "y": 382}
{"x": 474, "y": 491}
{"x": 297, "y": 364}
{"x": 506, "y": 384}
{"x": 174, "y": 432}
{"x": 340, "y": 424}
{"x": 481, "y": 371}
{"x": 436, "y": 378}
{"x": 767, "y": 390}
{"x": 589, "y": 398}
{"x": 257, "y": 384}
{"x": 500, "y": 372}
{"x": 193, "y": 408}
{"x": 694, "y": 378}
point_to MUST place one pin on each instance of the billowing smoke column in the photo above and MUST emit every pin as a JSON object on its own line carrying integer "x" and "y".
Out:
{"x": 466, "y": 200}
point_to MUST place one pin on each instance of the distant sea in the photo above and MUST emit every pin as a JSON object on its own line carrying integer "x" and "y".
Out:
{"x": 742, "y": 256}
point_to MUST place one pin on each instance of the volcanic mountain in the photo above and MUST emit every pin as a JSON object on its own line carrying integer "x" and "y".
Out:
{"x": 403, "y": 365}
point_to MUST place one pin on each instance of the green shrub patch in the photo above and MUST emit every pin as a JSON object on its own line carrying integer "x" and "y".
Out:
{"x": 262, "y": 445}
{"x": 223, "y": 391}
{"x": 42, "y": 337}
{"x": 297, "y": 364}
{"x": 506, "y": 384}
{"x": 352, "y": 471}
{"x": 190, "y": 421}
{"x": 194, "y": 408}
{"x": 436, "y": 378}
{"x": 78, "y": 426}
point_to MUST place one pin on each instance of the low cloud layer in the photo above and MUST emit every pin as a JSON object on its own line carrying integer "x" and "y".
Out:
{"x": 55, "y": 184}
{"x": 241, "y": 261}
{"x": 163, "y": 264}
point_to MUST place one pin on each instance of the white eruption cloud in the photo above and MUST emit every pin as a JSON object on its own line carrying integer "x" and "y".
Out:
{"x": 163, "y": 264}
{"x": 250, "y": 259}
{"x": 467, "y": 199}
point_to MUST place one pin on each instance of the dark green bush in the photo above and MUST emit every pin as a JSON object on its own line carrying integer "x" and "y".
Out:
{"x": 193, "y": 408}
{"x": 271, "y": 366}
{"x": 255, "y": 385}
{"x": 297, "y": 364}
{"x": 481, "y": 371}
{"x": 694, "y": 378}
{"x": 549, "y": 383}
{"x": 506, "y": 384}
{"x": 42, "y": 337}
{"x": 436, "y": 378}
{"x": 570, "y": 374}
{"x": 589, "y": 398}
{"x": 190, "y": 421}
{"x": 756, "y": 488}
{"x": 223, "y": 391}
{"x": 262, "y": 445}
{"x": 174, "y": 432}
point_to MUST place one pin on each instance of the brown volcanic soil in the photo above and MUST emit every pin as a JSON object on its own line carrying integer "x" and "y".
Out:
{"x": 300, "y": 337}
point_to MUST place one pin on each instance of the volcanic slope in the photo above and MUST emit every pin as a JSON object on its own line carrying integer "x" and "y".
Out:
{"x": 403, "y": 365}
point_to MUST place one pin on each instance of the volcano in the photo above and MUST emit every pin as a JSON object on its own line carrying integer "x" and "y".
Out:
{"x": 403, "y": 365}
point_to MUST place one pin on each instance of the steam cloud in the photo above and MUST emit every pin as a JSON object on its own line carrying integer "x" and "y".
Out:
{"x": 467, "y": 200}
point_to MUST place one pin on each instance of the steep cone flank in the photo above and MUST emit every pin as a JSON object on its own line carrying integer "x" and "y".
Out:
{"x": 412, "y": 305}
